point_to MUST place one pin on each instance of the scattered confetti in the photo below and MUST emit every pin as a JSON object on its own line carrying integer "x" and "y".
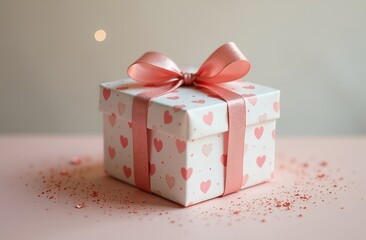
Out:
{"x": 321, "y": 175}
{"x": 76, "y": 161}
{"x": 94, "y": 194}
{"x": 82, "y": 180}
{"x": 324, "y": 163}
{"x": 81, "y": 205}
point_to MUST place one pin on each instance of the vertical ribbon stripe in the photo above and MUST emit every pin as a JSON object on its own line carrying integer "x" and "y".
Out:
{"x": 140, "y": 139}
{"x": 236, "y": 111}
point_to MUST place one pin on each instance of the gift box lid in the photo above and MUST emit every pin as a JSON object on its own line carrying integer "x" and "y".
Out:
{"x": 189, "y": 112}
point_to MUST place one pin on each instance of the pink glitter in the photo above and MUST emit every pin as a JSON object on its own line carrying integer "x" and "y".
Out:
{"x": 88, "y": 185}
{"x": 76, "y": 161}
{"x": 80, "y": 206}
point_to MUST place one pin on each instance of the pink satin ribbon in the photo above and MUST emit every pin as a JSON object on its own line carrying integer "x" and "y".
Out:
{"x": 225, "y": 64}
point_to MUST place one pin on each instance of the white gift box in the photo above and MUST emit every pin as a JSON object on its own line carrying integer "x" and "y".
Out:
{"x": 188, "y": 138}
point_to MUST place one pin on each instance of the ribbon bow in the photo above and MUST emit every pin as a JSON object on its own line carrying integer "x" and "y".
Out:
{"x": 225, "y": 64}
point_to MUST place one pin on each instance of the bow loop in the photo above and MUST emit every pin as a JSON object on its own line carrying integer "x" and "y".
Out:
{"x": 153, "y": 67}
{"x": 225, "y": 64}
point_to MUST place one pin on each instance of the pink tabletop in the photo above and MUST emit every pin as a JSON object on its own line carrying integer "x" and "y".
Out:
{"x": 54, "y": 187}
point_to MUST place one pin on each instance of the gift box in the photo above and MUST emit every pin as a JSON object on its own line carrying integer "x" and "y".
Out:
{"x": 187, "y": 133}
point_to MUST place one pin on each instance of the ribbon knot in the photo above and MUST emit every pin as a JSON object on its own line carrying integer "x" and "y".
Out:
{"x": 225, "y": 64}
{"x": 188, "y": 78}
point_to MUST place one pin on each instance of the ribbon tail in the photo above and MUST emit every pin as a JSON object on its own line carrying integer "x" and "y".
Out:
{"x": 236, "y": 136}
{"x": 140, "y": 139}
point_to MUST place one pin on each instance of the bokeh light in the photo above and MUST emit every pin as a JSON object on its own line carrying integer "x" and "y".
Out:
{"x": 100, "y": 35}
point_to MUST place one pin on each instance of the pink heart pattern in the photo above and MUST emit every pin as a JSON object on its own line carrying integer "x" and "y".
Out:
{"x": 258, "y": 132}
{"x": 181, "y": 145}
{"x": 208, "y": 118}
{"x": 186, "y": 173}
{"x": 158, "y": 144}
{"x": 170, "y": 180}
{"x": 186, "y": 165}
{"x": 199, "y": 101}
{"x": 127, "y": 171}
{"x": 106, "y": 93}
{"x": 168, "y": 118}
{"x": 205, "y": 186}
{"x": 224, "y": 159}
{"x": 112, "y": 119}
{"x": 206, "y": 149}
{"x": 121, "y": 88}
{"x": 177, "y": 108}
{"x": 152, "y": 169}
{"x": 111, "y": 152}
{"x": 276, "y": 107}
{"x": 124, "y": 141}
{"x": 173, "y": 98}
{"x": 121, "y": 108}
{"x": 171, "y": 105}
{"x": 252, "y": 98}
{"x": 261, "y": 160}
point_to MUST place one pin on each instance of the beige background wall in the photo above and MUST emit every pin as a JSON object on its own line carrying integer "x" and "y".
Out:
{"x": 51, "y": 65}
